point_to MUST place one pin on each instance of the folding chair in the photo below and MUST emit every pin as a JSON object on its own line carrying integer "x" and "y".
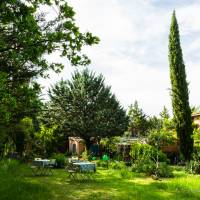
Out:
{"x": 72, "y": 171}
{"x": 37, "y": 168}
{"x": 50, "y": 166}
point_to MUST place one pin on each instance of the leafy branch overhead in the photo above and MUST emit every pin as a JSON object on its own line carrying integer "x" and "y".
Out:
{"x": 27, "y": 34}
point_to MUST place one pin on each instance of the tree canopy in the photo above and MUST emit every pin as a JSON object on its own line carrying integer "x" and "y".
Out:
{"x": 86, "y": 107}
{"x": 27, "y": 36}
{"x": 138, "y": 123}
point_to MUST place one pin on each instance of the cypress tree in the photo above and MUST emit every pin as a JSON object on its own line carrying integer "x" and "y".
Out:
{"x": 179, "y": 92}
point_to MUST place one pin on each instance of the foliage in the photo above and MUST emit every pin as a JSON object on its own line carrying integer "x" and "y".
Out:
{"x": 193, "y": 166}
{"x": 20, "y": 138}
{"x": 7, "y": 102}
{"x": 110, "y": 143}
{"x": 7, "y": 105}
{"x": 149, "y": 168}
{"x": 108, "y": 184}
{"x": 144, "y": 165}
{"x": 45, "y": 138}
{"x": 155, "y": 123}
{"x": 117, "y": 165}
{"x": 141, "y": 151}
{"x": 60, "y": 160}
{"x": 160, "y": 138}
{"x": 163, "y": 170}
{"x": 138, "y": 123}
{"x": 196, "y": 137}
{"x": 85, "y": 155}
{"x": 195, "y": 109}
{"x": 85, "y": 107}
{"x": 27, "y": 36}
{"x": 179, "y": 92}
{"x": 102, "y": 163}
{"x": 149, "y": 160}
{"x": 125, "y": 173}
{"x": 10, "y": 166}
{"x": 24, "y": 136}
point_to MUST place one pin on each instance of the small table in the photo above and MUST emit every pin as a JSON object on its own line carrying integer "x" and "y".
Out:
{"x": 41, "y": 167}
{"x": 86, "y": 170}
{"x": 86, "y": 166}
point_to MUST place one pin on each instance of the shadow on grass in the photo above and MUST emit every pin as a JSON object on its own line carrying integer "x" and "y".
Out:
{"x": 108, "y": 184}
{"x": 19, "y": 189}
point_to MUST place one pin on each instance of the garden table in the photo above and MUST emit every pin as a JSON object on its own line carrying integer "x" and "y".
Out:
{"x": 86, "y": 170}
{"x": 86, "y": 166}
{"x": 41, "y": 167}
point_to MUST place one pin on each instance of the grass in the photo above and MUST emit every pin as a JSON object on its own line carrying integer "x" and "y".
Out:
{"x": 17, "y": 183}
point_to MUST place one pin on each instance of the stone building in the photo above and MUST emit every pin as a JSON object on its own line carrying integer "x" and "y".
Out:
{"x": 76, "y": 145}
{"x": 196, "y": 119}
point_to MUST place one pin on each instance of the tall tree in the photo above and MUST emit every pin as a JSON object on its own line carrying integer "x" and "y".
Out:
{"x": 27, "y": 36}
{"x": 138, "y": 123}
{"x": 179, "y": 91}
{"x": 86, "y": 107}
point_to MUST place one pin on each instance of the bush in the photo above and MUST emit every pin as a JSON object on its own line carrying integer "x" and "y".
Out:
{"x": 9, "y": 166}
{"x": 60, "y": 160}
{"x": 141, "y": 151}
{"x": 193, "y": 166}
{"x": 144, "y": 166}
{"x": 13, "y": 168}
{"x": 125, "y": 173}
{"x": 118, "y": 165}
{"x": 164, "y": 170}
{"x": 149, "y": 168}
{"x": 102, "y": 163}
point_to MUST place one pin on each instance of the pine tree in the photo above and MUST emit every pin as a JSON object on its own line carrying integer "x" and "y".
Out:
{"x": 138, "y": 123}
{"x": 179, "y": 92}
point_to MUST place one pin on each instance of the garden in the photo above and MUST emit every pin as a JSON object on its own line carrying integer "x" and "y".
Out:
{"x": 80, "y": 142}
{"x": 17, "y": 182}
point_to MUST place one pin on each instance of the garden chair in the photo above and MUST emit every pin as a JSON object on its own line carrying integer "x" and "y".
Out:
{"x": 73, "y": 171}
{"x": 48, "y": 168}
{"x": 37, "y": 168}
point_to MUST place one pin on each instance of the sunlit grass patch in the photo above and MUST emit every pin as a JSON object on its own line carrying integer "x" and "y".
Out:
{"x": 109, "y": 183}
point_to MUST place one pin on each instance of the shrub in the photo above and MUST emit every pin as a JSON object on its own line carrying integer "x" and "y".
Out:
{"x": 85, "y": 155}
{"x": 125, "y": 173}
{"x": 9, "y": 166}
{"x": 117, "y": 165}
{"x": 141, "y": 151}
{"x": 161, "y": 137}
{"x": 60, "y": 160}
{"x": 163, "y": 170}
{"x": 144, "y": 166}
{"x": 150, "y": 168}
{"x": 102, "y": 163}
{"x": 13, "y": 168}
{"x": 194, "y": 165}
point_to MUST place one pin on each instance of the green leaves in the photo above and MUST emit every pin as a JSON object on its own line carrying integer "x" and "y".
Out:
{"x": 138, "y": 123}
{"x": 86, "y": 107}
{"x": 179, "y": 91}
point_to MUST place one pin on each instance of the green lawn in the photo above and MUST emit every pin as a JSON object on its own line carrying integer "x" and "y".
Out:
{"x": 20, "y": 184}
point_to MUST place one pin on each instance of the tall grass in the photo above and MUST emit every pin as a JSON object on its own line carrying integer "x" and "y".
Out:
{"x": 17, "y": 183}
{"x": 13, "y": 184}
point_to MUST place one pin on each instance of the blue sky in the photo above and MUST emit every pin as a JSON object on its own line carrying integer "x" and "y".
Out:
{"x": 133, "y": 52}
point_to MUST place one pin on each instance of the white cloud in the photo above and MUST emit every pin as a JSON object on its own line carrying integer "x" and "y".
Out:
{"x": 133, "y": 52}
